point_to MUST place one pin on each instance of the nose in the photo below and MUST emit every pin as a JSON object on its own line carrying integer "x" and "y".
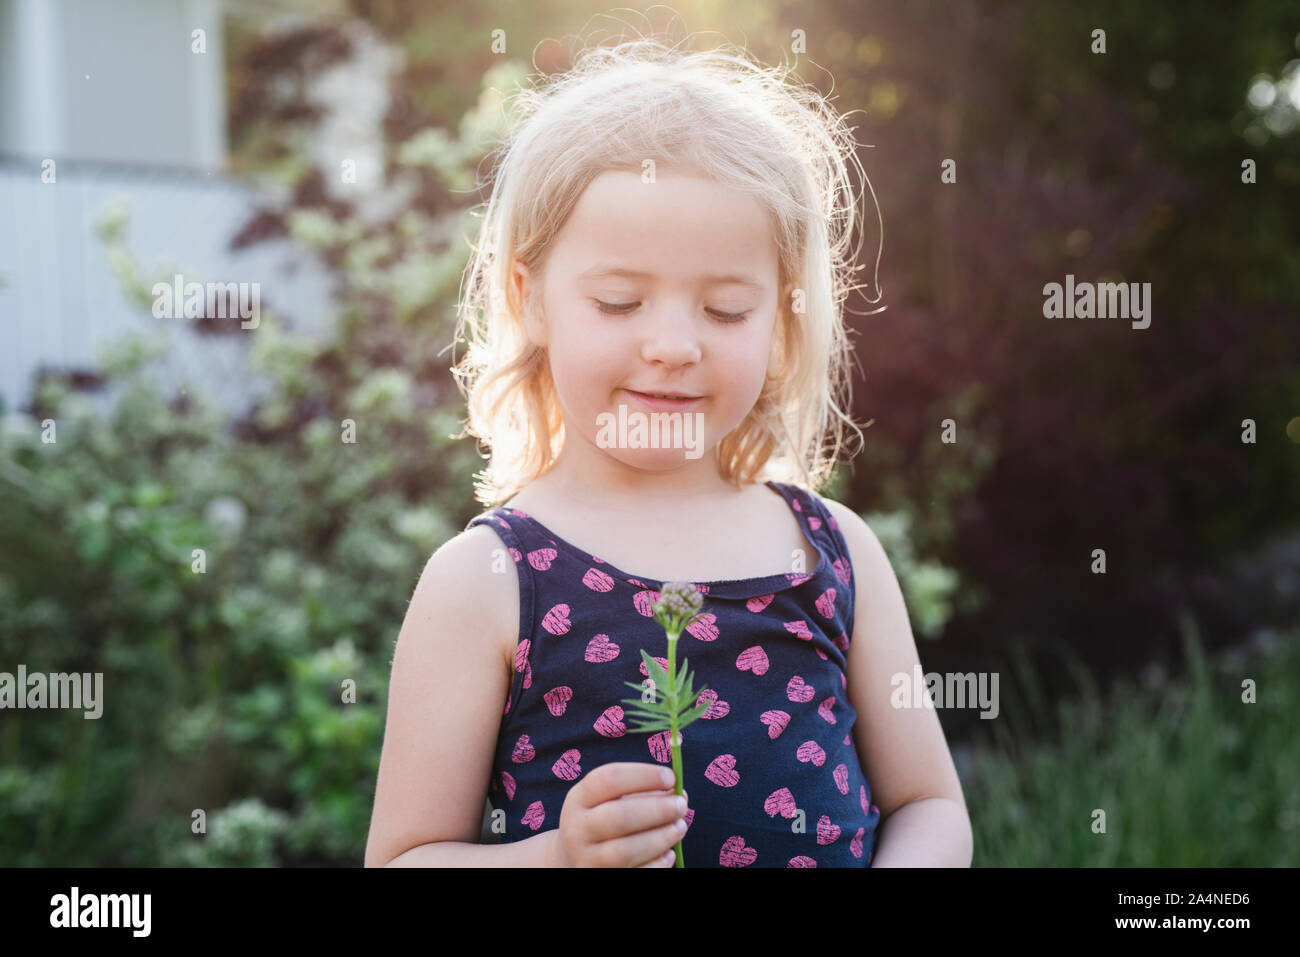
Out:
{"x": 671, "y": 337}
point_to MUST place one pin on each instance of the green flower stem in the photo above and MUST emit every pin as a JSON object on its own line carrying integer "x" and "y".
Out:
{"x": 677, "y": 608}
{"x": 673, "y": 732}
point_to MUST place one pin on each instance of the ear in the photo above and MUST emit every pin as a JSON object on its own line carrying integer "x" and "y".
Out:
{"x": 526, "y": 285}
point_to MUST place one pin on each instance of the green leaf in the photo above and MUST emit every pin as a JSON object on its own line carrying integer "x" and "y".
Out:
{"x": 651, "y": 726}
{"x": 632, "y": 711}
{"x": 684, "y": 682}
{"x": 654, "y": 707}
{"x": 657, "y": 673}
{"x": 691, "y": 715}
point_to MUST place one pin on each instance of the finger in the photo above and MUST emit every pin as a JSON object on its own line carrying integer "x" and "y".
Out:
{"x": 631, "y": 815}
{"x": 657, "y": 792}
{"x": 645, "y": 847}
{"x": 611, "y": 781}
{"x": 667, "y": 859}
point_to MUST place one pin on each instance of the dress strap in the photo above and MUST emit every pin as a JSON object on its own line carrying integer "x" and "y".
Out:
{"x": 826, "y": 533}
{"x": 516, "y": 550}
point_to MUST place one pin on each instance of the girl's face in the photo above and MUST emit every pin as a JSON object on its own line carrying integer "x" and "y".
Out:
{"x": 667, "y": 286}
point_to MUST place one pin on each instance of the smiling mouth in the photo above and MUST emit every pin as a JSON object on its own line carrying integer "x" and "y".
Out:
{"x": 665, "y": 395}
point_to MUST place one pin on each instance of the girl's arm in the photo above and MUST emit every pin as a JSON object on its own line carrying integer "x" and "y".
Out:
{"x": 446, "y": 696}
{"x": 924, "y": 821}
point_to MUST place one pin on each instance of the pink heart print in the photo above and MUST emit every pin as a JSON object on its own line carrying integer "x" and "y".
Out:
{"x": 775, "y": 721}
{"x": 508, "y": 782}
{"x": 541, "y": 558}
{"x": 597, "y": 580}
{"x": 556, "y": 621}
{"x": 797, "y": 580}
{"x": 523, "y": 751}
{"x": 514, "y": 553}
{"x": 717, "y": 708}
{"x": 814, "y": 522}
{"x": 645, "y": 602}
{"x": 862, "y": 797}
{"x": 753, "y": 659}
{"x": 801, "y": 861}
{"x": 557, "y": 699}
{"x": 736, "y": 854}
{"x": 535, "y": 816}
{"x": 798, "y": 690}
{"x": 841, "y": 776}
{"x": 811, "y": 751}
{"x": 610, "y": 723}
{"x": 521, "y": 655}
{"x": 567, "y": 768}
{"x": 780, "y": 801}
{"x": 824, "y": 709}
{"x": 855, "y": 845}
{"x": 600, "y": 649}
{"x": 722, "y": 771}
{"x": 827, "y": 833}
{"x": 758, "y": 604}
{"x": 826, "y": 603}
{"x": 821, "y": 654}
{"x": 842, "y": 642}
{"x": 799, "y": 629}
{"x": 659, "y": 747}
{"x": 705, "y": 629}
{"x": 843, "y": 570}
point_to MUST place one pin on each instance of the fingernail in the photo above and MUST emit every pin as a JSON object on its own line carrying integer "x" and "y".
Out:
{"x": 681, "y": 805}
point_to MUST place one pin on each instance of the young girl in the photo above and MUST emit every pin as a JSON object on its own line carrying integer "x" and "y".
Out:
{"x": 662, "y": 222}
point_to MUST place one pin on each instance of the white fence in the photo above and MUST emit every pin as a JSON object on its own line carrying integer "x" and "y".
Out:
{"x": 60, "y": 301}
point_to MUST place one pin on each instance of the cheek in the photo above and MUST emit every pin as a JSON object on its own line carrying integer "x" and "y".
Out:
{"x": 748, "y": 367}
{"x": 582, "y": 362}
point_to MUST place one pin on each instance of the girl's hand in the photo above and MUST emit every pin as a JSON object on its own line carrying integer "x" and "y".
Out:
{"x": 620, "y": 815}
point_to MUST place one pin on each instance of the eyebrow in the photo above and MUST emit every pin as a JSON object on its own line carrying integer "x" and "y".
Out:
{"x": 724, "y": 279}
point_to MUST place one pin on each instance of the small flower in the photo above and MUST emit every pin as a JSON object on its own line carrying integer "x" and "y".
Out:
{"x": 678, "y": 606}
{"x": 671, "y": 705}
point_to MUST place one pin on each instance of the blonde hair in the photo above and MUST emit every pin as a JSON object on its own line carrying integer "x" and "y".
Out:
{"x": 742, "y": 124}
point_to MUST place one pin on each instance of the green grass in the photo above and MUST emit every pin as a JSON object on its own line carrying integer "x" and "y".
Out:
{"x": 1188, "y": 775}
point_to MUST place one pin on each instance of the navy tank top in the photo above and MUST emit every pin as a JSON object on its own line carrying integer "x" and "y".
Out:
{"x": 772, "y": 773}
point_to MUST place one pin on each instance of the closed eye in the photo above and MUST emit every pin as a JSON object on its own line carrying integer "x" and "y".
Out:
{"x": 623, "y": 308}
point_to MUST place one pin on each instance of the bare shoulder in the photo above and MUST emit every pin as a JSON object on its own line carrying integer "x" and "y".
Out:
{"x": 476, "y": 566}
{"x": 865, "y": 551}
